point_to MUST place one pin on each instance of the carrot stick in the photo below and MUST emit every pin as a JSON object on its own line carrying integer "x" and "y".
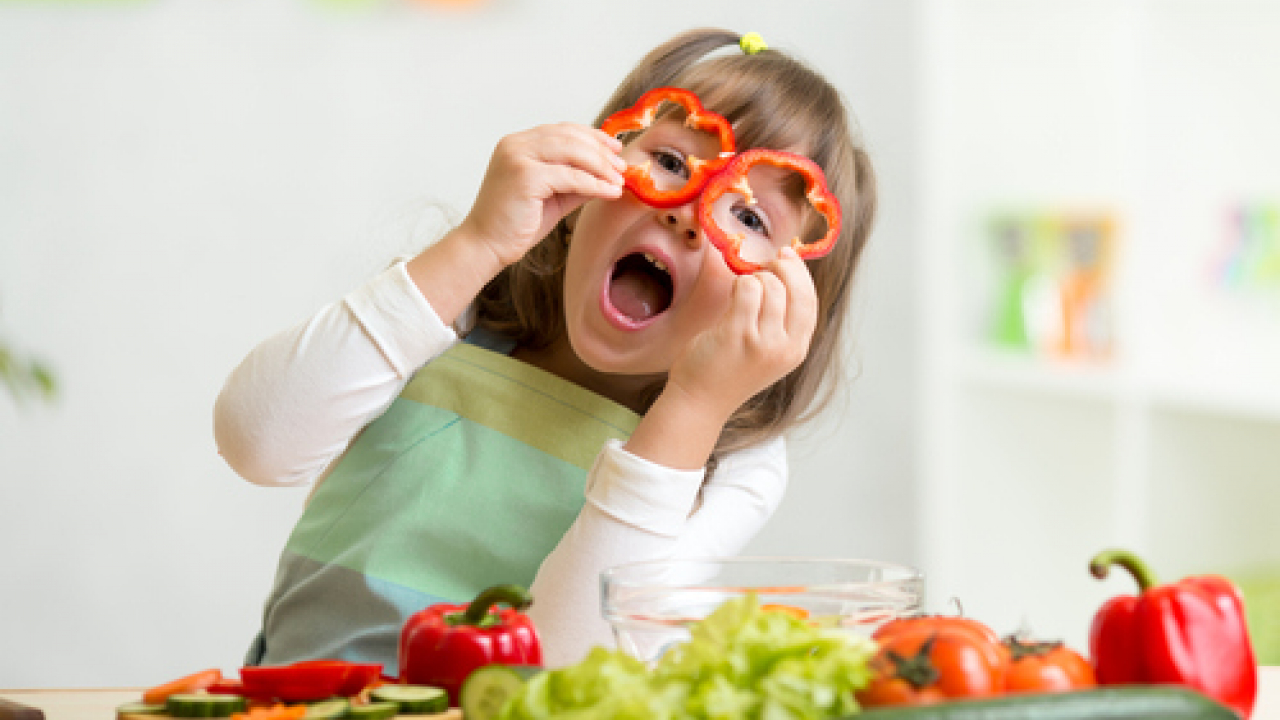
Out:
{"x": 191, "y": 683}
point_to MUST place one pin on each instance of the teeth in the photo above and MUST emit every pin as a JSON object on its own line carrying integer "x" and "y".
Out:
{"x": 655, "y": 262}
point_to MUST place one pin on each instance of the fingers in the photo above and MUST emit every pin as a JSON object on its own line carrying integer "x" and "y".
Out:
{"x": 801, "y": 297}
{"x": 575, "y": 158}
{"x": 774, "y": 313}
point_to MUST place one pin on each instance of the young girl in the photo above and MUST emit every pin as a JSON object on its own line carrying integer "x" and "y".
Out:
{"x": 620, "y": 394}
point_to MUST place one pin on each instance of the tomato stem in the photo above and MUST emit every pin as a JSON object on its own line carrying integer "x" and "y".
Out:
{"x": 918, "y": 670}
{"x": 1019, "y": 649}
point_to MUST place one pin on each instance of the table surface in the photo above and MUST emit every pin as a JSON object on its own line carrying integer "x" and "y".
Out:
{"x": 84, "y": 704}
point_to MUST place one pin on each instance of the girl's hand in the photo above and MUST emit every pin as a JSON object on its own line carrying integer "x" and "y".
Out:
{"x": 764, "y": 335}
{"x": 535, "y": 178}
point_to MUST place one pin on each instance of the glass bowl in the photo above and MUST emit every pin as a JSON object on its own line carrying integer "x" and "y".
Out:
{"x": 651, "y": 604}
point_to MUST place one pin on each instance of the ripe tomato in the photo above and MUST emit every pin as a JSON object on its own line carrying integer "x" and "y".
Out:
{"x": 928, "y": 659}
{"x": 1046, "y": 667}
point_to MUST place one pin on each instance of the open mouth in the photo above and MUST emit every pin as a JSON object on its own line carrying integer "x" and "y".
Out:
{"x": 640, "y": 288}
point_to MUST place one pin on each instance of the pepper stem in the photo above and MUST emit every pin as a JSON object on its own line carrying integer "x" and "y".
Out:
{"x": 513, "y": 595}
{"x": 1102, "y": 562}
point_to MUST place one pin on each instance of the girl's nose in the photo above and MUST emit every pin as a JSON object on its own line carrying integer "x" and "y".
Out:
{"x": 684, "y": 222}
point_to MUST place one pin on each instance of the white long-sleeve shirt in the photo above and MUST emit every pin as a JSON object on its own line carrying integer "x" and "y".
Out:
{"x": 294, "y": 405}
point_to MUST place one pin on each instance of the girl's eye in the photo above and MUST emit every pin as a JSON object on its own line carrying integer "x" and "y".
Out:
{"x": 751, "y": 219}
{"x": 672, "y": 162}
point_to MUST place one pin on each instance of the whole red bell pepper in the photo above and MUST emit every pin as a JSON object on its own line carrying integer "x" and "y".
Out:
{"x": 734, "y": 179}
{"x": 641, "y": 115}
{"x": 1191, "y": 632}
{"x": 442, "y": 644}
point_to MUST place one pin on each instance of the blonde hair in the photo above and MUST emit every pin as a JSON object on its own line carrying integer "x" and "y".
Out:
{"x": 772, "y": 100}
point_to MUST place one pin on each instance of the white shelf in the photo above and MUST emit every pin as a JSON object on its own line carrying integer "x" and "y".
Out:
{"x": 1100, "y": 381}
{"x": 1154, "y": 111}
{"x": 1021, "y": 371}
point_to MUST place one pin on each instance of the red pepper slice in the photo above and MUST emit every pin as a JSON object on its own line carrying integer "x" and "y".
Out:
{"x": 1191, "y": 632}
{"x": 442, "y": 644}
{"x": 227, "y": 686}
{"x": 734, "y": 179}
{"x": 308, "y": 680}
{"x": 642, "y": 114}
{"x": 358, "y": 675}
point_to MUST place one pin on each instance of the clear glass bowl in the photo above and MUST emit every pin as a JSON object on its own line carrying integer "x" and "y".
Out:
{"x": 652, "y": 604}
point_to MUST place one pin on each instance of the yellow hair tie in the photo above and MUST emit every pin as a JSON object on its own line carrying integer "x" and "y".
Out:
{"x": 752, "y": 43}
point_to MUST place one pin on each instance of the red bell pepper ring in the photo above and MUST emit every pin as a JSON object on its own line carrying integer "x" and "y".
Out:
{"x": 641, "y": 115}
{"x": 442, "y": 644}
{"x": 308, "y": 680}
{"x": 733, "y": 179}
{"x": 1191, "y": 632}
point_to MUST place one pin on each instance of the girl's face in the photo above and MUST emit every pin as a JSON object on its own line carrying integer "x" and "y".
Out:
{"x": 642, "y": 282}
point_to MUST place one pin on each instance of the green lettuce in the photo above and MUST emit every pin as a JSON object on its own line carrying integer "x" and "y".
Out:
{"x": 740, "y": 662}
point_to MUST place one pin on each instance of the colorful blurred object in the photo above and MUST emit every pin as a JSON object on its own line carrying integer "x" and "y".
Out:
{"x": 1052, "y": 286}
{"x": 1249, "y": 260}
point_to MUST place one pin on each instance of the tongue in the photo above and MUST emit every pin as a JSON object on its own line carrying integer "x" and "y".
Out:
{"x": 636, "y": 295}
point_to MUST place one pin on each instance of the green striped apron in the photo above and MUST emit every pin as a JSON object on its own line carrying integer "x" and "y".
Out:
{"x": 468, "y": 480}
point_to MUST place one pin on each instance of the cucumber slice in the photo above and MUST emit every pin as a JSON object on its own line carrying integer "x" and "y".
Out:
{"x": 131, "y": 710}
{"x": 373, "y": 711}
{"x": 414, "y": 699}
{"x": 328, "y": 709}
{"x": 488, "y": 688}
{"x": 201, "y": 705}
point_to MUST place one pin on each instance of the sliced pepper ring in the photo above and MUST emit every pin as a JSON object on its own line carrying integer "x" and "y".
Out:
{"x": 733, "y": 178}
{"x": 640, "y": 116}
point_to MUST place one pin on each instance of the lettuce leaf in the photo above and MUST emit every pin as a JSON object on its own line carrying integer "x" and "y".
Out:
{"x": 740, "y": 662}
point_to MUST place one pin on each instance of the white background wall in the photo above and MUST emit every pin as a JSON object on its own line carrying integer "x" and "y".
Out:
{"x": 181, "y": 178}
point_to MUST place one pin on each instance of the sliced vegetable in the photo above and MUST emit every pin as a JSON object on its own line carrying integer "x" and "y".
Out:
{"x": 639, "y": 178}
{"x": 308, "y": 680}
{"x": 358, "y": 677}
{"x": 1045, "y": 667}
{"x": 441, "y": 645}
{"x": 201, "y": 705}
{"x": 189, "y": 684}
{"x": 733, "y": 227}
{"x": 1191, "y": 632}
{"x": 328, "y": 709}
{"x": 227, "y": 686}
{"x": 413, "y": 699}
{"x": 373, "y": 711}
{"x": 129, "y": 711}
{"x": 1127, "y": 703}
{"x": 487, "y": 689}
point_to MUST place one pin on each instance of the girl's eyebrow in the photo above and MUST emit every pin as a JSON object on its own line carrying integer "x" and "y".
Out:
{"x": 670, "y": 130}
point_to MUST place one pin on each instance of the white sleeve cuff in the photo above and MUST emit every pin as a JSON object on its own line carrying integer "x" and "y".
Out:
{"x": 641, "y": 493}
{"x": 399, "y": 320}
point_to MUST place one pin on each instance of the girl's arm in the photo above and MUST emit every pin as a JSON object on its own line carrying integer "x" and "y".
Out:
{"x": 297, "y": 400}
{"x": 294, "y": 405}
{"x": 637, "y": 510}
